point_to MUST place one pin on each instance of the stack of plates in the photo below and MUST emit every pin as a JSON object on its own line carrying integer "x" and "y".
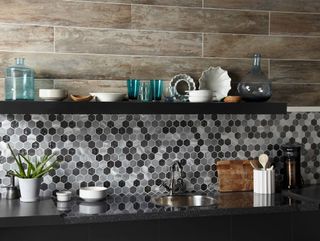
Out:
{"x": 198, "y": 96}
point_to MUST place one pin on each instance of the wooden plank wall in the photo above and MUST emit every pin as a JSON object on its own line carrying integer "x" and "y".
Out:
{"x": 95, "y": 45}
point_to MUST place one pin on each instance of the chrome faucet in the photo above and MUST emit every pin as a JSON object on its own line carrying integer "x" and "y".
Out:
{"x": 176, "y": 185}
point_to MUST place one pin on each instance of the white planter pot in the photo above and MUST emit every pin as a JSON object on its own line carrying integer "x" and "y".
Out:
{"x": 29, "y": 189}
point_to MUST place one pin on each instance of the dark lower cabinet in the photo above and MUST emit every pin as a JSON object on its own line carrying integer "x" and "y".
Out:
{"x": 299, "y": 226}
{"x": 262, "y": 227}
{"x": 45, "y": 233}
{"x": 196, "y": 229}
{"x": 306, "y": 226}
{"x": 124, "y": 231}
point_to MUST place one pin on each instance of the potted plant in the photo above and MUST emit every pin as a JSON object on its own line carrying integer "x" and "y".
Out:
{"x": 30, "y": 173}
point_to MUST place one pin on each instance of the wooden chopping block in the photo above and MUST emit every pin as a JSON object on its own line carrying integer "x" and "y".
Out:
{"x": 235, "y": 175}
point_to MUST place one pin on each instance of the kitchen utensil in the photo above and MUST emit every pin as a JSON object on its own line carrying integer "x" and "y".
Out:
{"x": 52, "y": 94}
{"x": 19, "y": 82}
{"x": 80, "y": 98}
{"x": 133, "y": 88}
{"x": 108, "y": 97}
{"x": 156, "y": 89}
{"x": 144, "y": 92}
{"x": 235, "y": 175}
{"x": 63, "y": 196}
{"x": 255, "y": 86}
{"x": 292, "y": 155}
{"x": 263, "y": 159}
{"x": 182, "y": 83}
{"x": 92, "y": 194}
{"x": 263, "y": 181}
{"x": 12, "y": 190}
{"x": 217, "y": 80}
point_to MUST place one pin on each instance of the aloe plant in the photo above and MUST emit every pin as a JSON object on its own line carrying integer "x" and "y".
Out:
{"x": 35, "y": 169}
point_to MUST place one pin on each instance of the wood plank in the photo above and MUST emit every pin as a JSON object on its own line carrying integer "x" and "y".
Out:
{"x": 71, "y": 40}
{"x": 295, "y": 72}
{"x": 199, "y": 20}
{"x": 184, "y": 3}
{"x": 26, "y": 38}
{"x": 297, "y": 94}
{"x": 277, "y": 47}
{"x": 65, "y": 13}
{"x": 295, "y": 24}
{"x": 72, "y": 66}
{"x": 283, "y": 5}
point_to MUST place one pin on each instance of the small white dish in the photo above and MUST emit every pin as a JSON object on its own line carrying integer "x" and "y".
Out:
{"x": 108, "y": 97}
{"x": 64, "y": 196}
{"x": 93, "y": 194}
{"x": 200, "y": 99}
{"x": 52, "y": 94}
{"x": 217, "y": 80}
{"x": 200, "y": 93}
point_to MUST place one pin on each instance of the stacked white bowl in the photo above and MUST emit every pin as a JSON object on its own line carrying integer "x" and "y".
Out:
{"x": 198, "y": 96}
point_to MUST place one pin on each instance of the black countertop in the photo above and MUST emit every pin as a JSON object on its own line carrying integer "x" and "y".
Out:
{"x": 140, "y": 207}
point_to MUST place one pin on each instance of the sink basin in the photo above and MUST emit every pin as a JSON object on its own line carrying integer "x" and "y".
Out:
{"x": 184, "y": 201}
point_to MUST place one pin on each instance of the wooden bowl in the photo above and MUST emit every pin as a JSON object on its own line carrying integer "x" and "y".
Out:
{"x": 232, "y": 99}
{"x": 80, "y": 98}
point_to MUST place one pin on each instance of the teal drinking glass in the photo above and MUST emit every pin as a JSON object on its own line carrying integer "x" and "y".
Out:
{"x": 156, "y": 89}
{"x": 133, "y": 88}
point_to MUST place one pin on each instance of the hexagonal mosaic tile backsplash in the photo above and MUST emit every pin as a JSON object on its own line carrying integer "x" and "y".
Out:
{"x": 132, "y": 153}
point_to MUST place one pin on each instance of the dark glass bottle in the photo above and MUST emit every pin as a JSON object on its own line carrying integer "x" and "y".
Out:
{"x": 255, "y": 87}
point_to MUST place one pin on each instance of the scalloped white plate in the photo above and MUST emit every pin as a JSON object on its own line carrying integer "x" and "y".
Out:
{"x": 217, "y": 80}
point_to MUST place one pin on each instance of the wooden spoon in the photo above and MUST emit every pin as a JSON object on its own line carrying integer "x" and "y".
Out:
{"x": 263, "y": 159}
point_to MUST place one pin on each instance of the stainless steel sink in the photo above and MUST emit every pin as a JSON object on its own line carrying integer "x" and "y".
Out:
{"x": 184, "y": 201}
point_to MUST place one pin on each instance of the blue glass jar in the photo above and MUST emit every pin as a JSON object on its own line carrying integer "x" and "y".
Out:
{"x": 19, "y": 82}
{"x": 255, "y": 87}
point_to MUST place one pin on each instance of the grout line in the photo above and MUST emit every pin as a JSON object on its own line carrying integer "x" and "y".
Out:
{"x": 54, "y": 39}
{"x": 269, "y": 69}
{"x": 202, "y": 55}
{"x": 153, "y": 56}
{"x": 269, "y": 23}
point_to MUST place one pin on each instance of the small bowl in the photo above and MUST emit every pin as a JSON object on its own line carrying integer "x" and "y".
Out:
{"x": 52, "y": 94}
{"x": 200, "y": 99}
{"x": 63, "y": 196}
{"x": 200, "y": 93}
{"x": 80, "y": 98}
{"x": 92, "y": 208}
{"x": 108, "y": 97}
{"x": 93, "y": 194}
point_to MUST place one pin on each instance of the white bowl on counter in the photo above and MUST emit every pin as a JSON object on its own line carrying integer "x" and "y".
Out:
{"x": 108, "y": 97}
{"x": 52, "y": 94}
{"x": 93, "y": 194}
{"x": 92, "y": 208}
{"x": 64, "y": 196}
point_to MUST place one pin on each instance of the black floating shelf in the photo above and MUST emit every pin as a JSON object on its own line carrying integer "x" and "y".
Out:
{"x": 126, "y": 107}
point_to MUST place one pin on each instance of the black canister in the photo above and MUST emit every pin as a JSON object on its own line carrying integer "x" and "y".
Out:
{"x": 292, "y": 165}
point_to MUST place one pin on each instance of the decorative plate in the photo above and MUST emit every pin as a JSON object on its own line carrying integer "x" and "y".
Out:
{"x": 182, "y": 83}
{"x": 217, "y": 80}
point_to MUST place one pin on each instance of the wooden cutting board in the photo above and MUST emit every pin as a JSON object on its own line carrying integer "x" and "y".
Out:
{"x": 235, "y": 175}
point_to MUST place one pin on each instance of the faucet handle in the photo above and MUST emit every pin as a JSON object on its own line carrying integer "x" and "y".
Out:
{"x": 165, "y": 185}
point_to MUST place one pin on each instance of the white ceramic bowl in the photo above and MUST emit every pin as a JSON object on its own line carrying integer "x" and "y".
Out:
{"x": 200, "y": 93}
{"x": 63, "y": 196}
{"x": 52, "y": 94}
{"x": 200, "y": 99}
{"x": 92, "y": 194}
{"x": 108, "y": 97}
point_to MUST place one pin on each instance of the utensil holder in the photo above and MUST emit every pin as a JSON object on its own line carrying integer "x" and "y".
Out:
{"x": 264, "y": 181}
